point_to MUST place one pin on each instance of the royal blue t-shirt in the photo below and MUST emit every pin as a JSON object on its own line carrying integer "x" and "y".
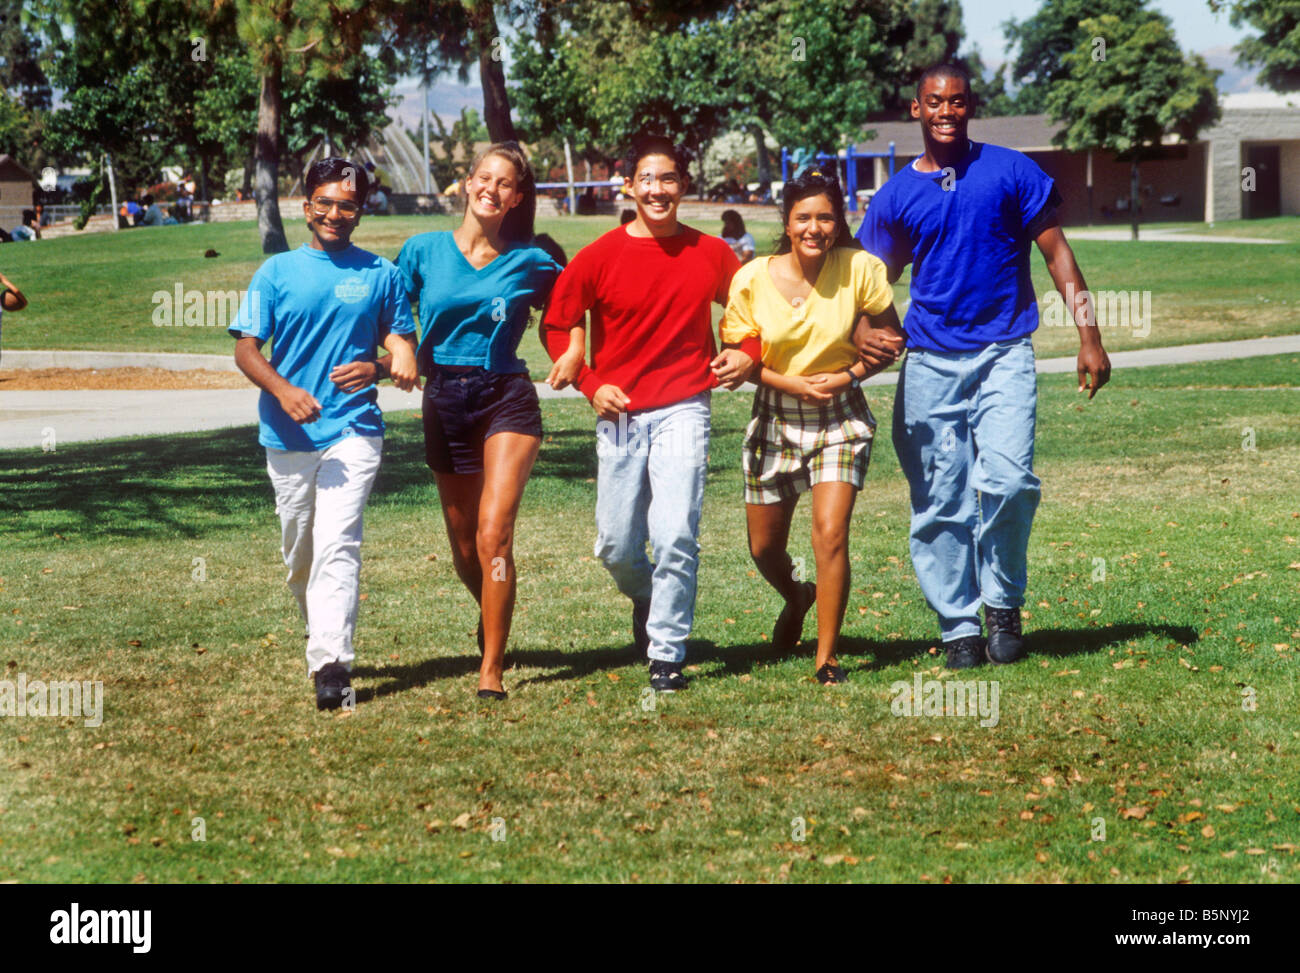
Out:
{"x": 968, "y": 246}
{"x": 320, "y": 309}
{"x": 468, "y": 316}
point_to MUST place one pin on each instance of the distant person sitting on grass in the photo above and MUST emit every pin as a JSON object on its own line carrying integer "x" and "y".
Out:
{"x": 29, "y": 229}
{"x": 736, "y": 237}
{"x": 11, "y": 299}
{"x": 325, "y": 307}
{"x": 964, "y": 215}
{"x": 153, "y": 214}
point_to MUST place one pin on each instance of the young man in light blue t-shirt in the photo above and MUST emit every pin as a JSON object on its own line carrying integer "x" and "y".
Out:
{"x": 325, "y": 307}
{"x": 963, "y": 215}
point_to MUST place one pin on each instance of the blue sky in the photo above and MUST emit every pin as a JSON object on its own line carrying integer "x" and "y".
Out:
{"x": 1196, "y": 28}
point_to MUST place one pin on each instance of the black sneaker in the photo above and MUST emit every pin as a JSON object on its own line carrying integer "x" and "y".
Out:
{"x": 332, "y": 681}
{"x": 965, "y": 653}
{"x": 666, "y": 677}
{"x": 1005, "y": 642}
{"x": 640, "y": 640}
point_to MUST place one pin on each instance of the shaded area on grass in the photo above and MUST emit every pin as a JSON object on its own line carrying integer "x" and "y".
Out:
{"x": 856, "y": 654}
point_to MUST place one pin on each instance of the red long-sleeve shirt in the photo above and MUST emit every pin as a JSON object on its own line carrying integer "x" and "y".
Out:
{"x": 651, "y": 321}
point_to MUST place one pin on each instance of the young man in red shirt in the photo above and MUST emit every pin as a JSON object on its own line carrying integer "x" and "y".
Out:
{"x": 649, "y": 285}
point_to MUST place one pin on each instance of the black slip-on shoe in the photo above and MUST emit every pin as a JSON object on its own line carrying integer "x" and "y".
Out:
{"x": 666, "y": 677}
{"x": 965, "y": 653}
{"x": 829, "y": 675}
{"x": 1006, "y": 645}
{"x": 788, "y": 629}
{"x": 497, "y": 694}
{"x": 332, "y": 681}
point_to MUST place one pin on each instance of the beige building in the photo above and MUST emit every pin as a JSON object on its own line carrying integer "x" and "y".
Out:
{"x": 18, "y": 191}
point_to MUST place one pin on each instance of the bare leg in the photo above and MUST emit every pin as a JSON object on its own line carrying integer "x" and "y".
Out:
{"x": 769, "y": 532}
{"x": 832, "y": 511}
{"x": 508, "y": 459}
{"x": 459, "y": 494}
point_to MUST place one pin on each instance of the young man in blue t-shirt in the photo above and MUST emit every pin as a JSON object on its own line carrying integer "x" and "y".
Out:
{"x": 325, "y": 307}
{"x": 963, "y": 215}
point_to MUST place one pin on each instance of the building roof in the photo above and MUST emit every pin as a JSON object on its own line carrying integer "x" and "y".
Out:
{"x": 1027, "y": 133}
{"x": 11, "y": 169}
{"x": 1033, "y": 133}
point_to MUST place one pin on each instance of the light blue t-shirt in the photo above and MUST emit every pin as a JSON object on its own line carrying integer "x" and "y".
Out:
{"x": 320, "y": 309}
{"x": 966, "y": 234}
{"x": 468, "y": 316}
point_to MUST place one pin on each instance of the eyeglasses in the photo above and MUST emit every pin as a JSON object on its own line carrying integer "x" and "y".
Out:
{"x": 322, "y": 205}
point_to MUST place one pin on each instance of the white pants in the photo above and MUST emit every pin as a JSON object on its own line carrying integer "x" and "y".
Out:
{"x": 320, "y": 496}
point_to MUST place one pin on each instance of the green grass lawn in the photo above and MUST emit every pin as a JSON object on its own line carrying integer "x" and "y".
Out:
{"x": 1164, "y": 585}
{"x": 96, "y": 291}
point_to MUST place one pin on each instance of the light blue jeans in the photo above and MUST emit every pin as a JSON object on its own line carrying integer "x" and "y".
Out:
{"x": 650, "y": 488}
{"x": 964, "y": 433}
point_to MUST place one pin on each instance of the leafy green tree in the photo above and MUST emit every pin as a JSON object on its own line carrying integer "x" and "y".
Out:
{"x": 1042, "y": 41}
{"x": 15, "y": 123}
{"x": 21, "y": 73}
{"x": 1130, "y": 90}
{"x": 811, "y": 72}
{"x": 454, "y": 35}
{"x": 1276, "y": 49}
{"x": 989, "y": 87}
{"x": 326, "y": 40}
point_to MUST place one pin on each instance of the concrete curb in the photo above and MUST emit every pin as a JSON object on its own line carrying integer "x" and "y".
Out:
{"x": 31, "y": 420}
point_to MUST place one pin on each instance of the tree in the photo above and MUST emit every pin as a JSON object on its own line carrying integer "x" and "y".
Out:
{"x": 322, "y": 38}
{"x": 120, "y": 96}
{"x": 1042, "y": 41}
{"x": 21, "y": 73}
{"x": 811, "y": 73}
{"x": 989, "y": 87}
{"x": 1126, "y": 86}
{"x": 15, "y": 122}
{"x": 453, "y": 35}
{"x": 1277, "y": 47}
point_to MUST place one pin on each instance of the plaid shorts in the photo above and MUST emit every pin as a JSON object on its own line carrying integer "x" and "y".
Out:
{"x": 790, "y": 444}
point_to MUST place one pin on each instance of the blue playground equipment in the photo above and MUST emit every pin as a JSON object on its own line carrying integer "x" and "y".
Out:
{"x": 848, "y": 173}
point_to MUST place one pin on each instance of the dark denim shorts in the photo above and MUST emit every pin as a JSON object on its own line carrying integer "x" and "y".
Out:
{"x": 463, "y": 408}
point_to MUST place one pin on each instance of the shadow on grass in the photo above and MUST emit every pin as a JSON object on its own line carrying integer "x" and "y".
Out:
{"x": 856, "y": 655}
{"x": 181, "y": 486}
{"x": 165, "y": 486}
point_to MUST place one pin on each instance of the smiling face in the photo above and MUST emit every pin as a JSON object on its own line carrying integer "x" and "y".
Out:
{"x": 944, "y": 108}
{"x": 658, "y": 186}
{"x": 493, "y": 189}
{"x": 333, "y": 212}
{"x": 812, "y": 227}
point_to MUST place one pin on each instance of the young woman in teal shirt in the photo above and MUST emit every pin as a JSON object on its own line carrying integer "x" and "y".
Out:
{"x": 476, "y": 286}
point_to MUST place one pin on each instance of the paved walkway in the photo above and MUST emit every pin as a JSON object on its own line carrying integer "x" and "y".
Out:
{"x": 26, "y": 418}
{"x": 1154, "y": 233}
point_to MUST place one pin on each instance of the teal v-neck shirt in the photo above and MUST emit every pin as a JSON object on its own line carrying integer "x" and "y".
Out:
{"x": 468, "y": 316}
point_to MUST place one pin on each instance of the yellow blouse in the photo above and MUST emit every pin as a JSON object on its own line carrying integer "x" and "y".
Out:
{"x": 817, "y": 335}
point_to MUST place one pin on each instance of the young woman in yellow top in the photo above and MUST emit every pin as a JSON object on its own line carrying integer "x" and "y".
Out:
{"x": 811, "y": 427}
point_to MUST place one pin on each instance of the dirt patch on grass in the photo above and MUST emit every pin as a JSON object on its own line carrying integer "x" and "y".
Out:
{"x": 62, "y": 379}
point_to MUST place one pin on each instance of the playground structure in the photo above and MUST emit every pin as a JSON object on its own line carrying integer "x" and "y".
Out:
{"x": 845, "y": 162}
